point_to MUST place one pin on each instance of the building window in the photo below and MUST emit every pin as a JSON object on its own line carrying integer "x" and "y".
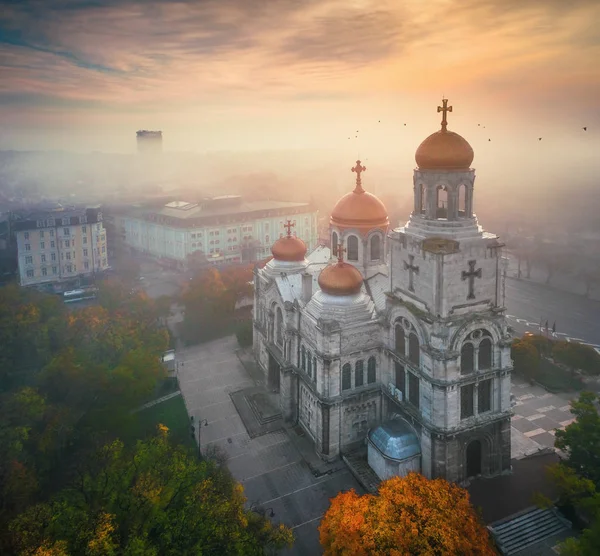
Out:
{"x": 26, "y": 235}
{"x": 375, "y": 248}
{"x": 54, "y": 270}
{"x": 414, "y": 351}
{"x": 346, "y": 377}
{"x": 86, "y": 265}
{"x": 30, "y": 273}
{"x": 66, "y": 231}
{"x": 43, "y": 258}
{"x": 352, "y": 247}
{"x": 267, "y": 238}
{"x": 52, "y": 245}
{"x": 53, "y": 256}
{"x": 84, "y": 229}
{"x": 68, "y": 256}
{"x": 467, "y": 358}
{"x": 69, "y": 268}
{"x": 484, "y": 356}
{"x": 303, "y": 358}
{"x": 104, "y": 249}
{"x": 85, "y": 240}
{"x": 279, "y": 325}
{"x": 44, "y": 272}
{"x": 400, "y": 340}
{"x": 27, "y": 247}
{"x": 400, "y": 378}
{"x": 85, "y": 252}
{"x": 41, "y": 234}
{"x": 484, "y": 396}
{"x": 51, "y": 233}
{"x": 413, "y": 389}
{"x": 29, "y": 260}
{"x": 466, "y": 401}
{"x": 359, "y": 377}
{"x": 334, "y": 242}
{"x": 371, "y": 370}
{"x": 309, "y": 357}
{"x": 315, "y": 368}
{"x": 42, "y": 245}
{"x": 67, "y": 243}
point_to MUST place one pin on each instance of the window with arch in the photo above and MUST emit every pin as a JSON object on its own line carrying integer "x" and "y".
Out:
{"x": 484, "y": 355}
{"x": 309, "y": 358}
{"x": 462, "y": 200}
{"x": 371, "y": 370}
{"x": 375, "y": 248}
{"x": 400, "y": 343}
{"x": 279, "y": 326}
{"x": 414, "y": 350}
{"x": 352, "y": 248}
{"x": 467, "y": 358}
{"x": 441, "y": 202}
{"x": 303, "y": 358}
{"x": 346, "y": 377}
{"x": 359, "y": 375}
{"x": 334, "y": 242}
{"x": 422, "y": 198}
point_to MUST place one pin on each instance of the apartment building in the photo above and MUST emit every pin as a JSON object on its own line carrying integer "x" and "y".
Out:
{"x": 225, "y": 229}
{"x": 60, "y": 246}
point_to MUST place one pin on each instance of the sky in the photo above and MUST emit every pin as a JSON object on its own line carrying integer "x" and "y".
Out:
{"x": 299, "y": 74}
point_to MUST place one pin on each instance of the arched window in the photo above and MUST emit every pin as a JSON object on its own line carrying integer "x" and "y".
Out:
{"x": 400, "y": 343}
{"x": 484, "y": 359}
{"x": 422, "y": 199}
{"x": 279, "y": 326}
{"x": 334, "y": 242}
{"x": 346, "y": 377}
{"x": 462, "y": 200}
{"x": 441, "y": 202}
{"x": 371, "y": 370}
{"x": 309, "y": 357}
{"x": 414, "y": 352}
{"x": 303, "y": 359}
{"x": 359, "y": 376}
{"x": 375, "y": 248}
{"x": 315, "y": 368}
{"x": 352, "y": 248}
{"x": 467, "y": 358}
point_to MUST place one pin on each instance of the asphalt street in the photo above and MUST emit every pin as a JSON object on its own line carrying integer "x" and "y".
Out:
{"x": 576, "y": 317}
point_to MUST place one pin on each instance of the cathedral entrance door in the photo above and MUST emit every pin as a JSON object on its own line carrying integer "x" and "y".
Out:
{"x": 273, "y": 374}
{"x": 474, "y": 458}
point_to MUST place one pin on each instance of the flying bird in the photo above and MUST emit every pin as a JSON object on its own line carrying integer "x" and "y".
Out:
{"x": 379, "y": 121}
{"x": 539, "y": 138}
{"x": 489, "y": 139}
{"x": 585, "y": 129}
{"x": 478, "y": 124}
{"x": 404, "y": 124}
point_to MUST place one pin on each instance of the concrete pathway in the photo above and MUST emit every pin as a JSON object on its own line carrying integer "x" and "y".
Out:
{"x": 277, "y": 470}
{"x": 157, "y": 401}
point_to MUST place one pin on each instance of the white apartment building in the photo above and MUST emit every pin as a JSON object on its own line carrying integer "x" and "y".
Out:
{"x": 225, "y": 229}
{"x": 60, "y": 246}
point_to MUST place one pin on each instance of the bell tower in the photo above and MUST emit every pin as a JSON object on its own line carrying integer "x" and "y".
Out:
{"x": 447, "y": 297}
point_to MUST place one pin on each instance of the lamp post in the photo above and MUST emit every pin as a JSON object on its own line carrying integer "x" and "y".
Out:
{"x": 201, "y": 423}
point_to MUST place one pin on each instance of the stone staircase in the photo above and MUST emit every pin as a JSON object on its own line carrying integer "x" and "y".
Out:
{"x": 359, "y": 467}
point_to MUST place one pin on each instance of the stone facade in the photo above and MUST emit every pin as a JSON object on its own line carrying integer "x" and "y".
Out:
{"x": 426, "y": 339}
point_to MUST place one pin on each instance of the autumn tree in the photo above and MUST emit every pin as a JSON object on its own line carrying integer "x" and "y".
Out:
{"x": 153, "y": 499}
{"x": 526, "y": 358}
{"x": 577, "y": 356}
{"x": 410, "y": 515}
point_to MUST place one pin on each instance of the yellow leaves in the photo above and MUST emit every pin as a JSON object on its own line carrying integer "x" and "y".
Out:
{"x": 58, "y": 548}
{"x": 411, "y": 515}
{"x": 163, "y": 430}
{"x": 103, "y": 543}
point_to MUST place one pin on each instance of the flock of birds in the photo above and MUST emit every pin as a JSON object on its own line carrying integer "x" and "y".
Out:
{"x": 479, "y": 125}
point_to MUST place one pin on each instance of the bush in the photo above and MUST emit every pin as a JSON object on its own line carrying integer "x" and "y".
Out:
{"x": 526, "y": 359}
{"x": 243, "y": 333}
{"x": 577, "y": 356}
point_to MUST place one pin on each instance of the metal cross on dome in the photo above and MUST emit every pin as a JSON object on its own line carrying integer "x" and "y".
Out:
{"x": 359, "y": 169}
{"x": 444, "y": 109}
{"x": 339, "y": 251}
{"x": 289, "y": 225}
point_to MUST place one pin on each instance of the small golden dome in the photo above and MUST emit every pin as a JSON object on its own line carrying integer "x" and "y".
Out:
{"x": 340, "y": 279}
{"x": 444, "y": 150}
{"x": 289, "y": 248}
{"x": 359, "y": 209}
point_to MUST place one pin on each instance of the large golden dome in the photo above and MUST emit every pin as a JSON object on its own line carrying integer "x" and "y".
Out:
{"x": 444, "y": 150}
{"x": 359, "y": 209}
{"x": 340, "y": 279}
{"x": 289, "y": 248}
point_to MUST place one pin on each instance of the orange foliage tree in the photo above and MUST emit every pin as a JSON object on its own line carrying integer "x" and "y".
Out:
{"x": 411, "y": 515}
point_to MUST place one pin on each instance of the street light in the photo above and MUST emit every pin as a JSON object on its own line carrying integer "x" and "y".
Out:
{"x": 201, "y": 423}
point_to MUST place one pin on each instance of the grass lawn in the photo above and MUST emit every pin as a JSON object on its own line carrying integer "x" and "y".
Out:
{"x": 171, "y": 413}
{"x": 556, "y": 379}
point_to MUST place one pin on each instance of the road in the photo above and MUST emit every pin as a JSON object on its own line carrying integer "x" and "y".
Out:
{"x": 576, "y": 318}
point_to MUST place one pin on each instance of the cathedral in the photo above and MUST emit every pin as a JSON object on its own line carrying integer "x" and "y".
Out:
{"x": 395, "y": 337}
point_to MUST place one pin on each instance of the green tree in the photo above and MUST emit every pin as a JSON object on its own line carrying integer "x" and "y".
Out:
{"x": 577, "y": 356}
{"x": 156, "y": 499}
{"x": 526, "y": 358}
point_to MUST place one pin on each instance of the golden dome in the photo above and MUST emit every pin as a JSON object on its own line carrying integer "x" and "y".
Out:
{"x": 359, "y": 209}
{"x": 444, "y": 150}
{"x": 289, "y": 248}
{"x": 340, "y": 279}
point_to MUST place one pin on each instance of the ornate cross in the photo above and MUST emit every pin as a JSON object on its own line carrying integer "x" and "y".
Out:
{"x": 471, "y": 275}
{"x": 339, "y": 251}
{"x": 359, "y": 170}
{"x": 289, "y": 225}
{"x": 444, "y": 109}
{"x": 412, "y": 270}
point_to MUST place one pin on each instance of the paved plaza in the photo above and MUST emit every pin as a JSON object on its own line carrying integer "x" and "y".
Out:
{"x": 278, "y": 469}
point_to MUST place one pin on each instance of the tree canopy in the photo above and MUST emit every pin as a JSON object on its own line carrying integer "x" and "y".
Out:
{"x": 410, "y": 515}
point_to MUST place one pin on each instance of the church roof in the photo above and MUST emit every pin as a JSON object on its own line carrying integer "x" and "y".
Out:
{"x": 377, "y": 286}
{"x": 395, "y": 439}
